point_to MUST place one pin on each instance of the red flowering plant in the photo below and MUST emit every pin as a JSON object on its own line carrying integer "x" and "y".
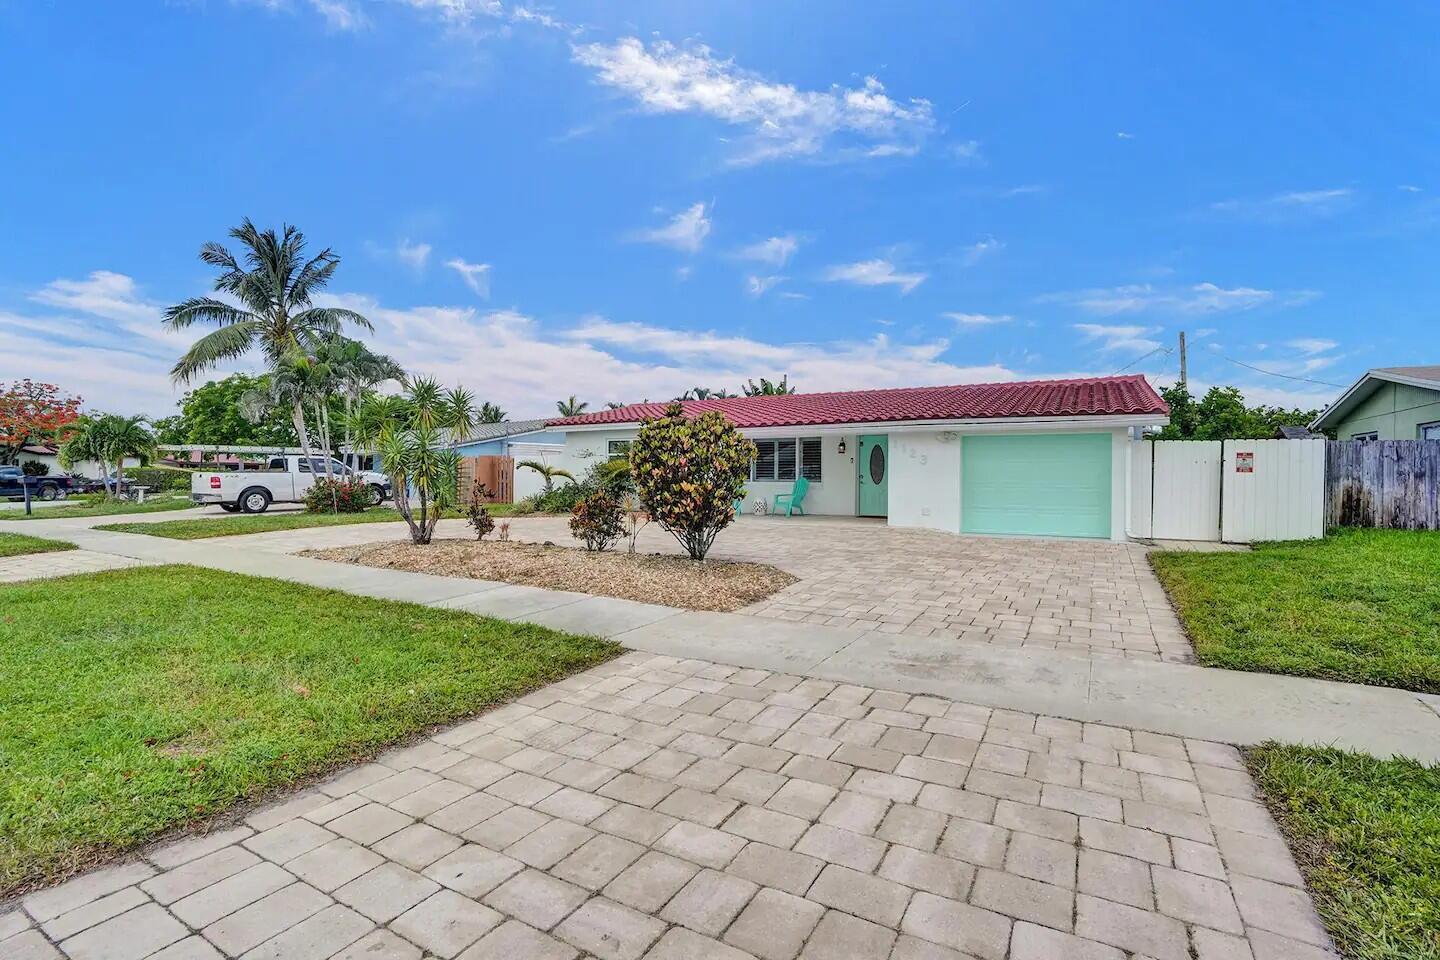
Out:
{"x": 33, "y": 413}
{"x": 688, "y": 473}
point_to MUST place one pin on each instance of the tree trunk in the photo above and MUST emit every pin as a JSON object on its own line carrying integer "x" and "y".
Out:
{"x": 297, "y": 416}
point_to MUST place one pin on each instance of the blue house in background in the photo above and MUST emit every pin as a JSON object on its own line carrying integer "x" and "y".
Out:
{"x": 521, "y": 439}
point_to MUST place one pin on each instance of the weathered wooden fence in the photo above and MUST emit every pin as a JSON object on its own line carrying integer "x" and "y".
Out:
{"x": 497, "y": 473}
{"x": 1383, "y": 483}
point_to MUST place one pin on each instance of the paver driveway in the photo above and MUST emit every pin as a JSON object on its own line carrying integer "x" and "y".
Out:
{"x": 1078, "y": 597}
{"x": 680, "y": 810}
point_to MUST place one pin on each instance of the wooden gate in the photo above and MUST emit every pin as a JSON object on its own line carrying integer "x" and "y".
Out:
{"x": 1383, "y": 483}
{"x": 497, "y": 473}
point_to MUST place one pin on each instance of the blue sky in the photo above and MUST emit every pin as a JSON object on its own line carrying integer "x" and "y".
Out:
{"x": 539, "y": 201}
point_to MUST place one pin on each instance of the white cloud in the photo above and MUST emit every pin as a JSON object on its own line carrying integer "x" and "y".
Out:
{"x": 1132, "y": 339}
{"x": 780, "y": 120}
{"x": 1122, "y": 135}
{"x": 874, "y": 273}
{"x": 1288, "y": 205}
{"x": 967, "y": 151}
{"x": 975, "y": 320}
{"x": 775, "y": 251}
{"x": 340, "y": 14}
{"x": 475, "y": 275}
{"x": 1411, "y": 188}
{"x": 1196, "y": 300}
{"x": 979, "y": 250}
{"x": 686, "y": 230}
{"x": 104, "y": 293}
{"x": 757, "y": 286}
{"x": 413, "y": 255}
{"x": 1312, "y": 345}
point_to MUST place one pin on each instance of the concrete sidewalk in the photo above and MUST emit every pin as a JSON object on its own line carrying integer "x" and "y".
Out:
{"x": 1176, "y": 699}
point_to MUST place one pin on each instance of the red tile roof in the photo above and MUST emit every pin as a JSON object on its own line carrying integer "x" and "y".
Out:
{"x": 1090, "y": 396}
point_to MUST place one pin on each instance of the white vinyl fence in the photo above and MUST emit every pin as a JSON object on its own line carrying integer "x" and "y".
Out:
{"x": 1237, "y": 491}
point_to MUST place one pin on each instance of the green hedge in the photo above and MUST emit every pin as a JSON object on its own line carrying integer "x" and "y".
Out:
{"x": 159, "y": 478}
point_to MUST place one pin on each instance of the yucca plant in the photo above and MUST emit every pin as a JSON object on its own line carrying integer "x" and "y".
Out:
{"x": 410, "y": 432}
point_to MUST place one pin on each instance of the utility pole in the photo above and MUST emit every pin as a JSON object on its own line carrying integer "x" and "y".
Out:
{"x": 1183, "y": 378}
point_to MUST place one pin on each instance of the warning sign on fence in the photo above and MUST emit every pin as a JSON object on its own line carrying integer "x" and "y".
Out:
{"x": 1245, "y": 461}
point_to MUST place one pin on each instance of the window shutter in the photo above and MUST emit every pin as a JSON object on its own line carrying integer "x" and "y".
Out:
{"x": 785, "y": 460}
{"x": 810, "y": 459}
{"x": 764, "y": 459}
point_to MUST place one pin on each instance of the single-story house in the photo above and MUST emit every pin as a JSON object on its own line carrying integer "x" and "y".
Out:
{"x": 1387, "y": 403}
{"x": 50, "y": 456}
{"x": 1044, "y": 458}
{"x": 520, "y": 439}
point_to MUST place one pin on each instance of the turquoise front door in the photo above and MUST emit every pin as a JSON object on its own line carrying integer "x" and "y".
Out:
{"x": 874, "y": 465}
{"x": 1055, "y": 484}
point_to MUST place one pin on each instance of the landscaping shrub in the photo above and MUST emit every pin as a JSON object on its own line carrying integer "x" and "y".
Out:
{"x": 159, "y": 478}
{"x": 562, "y": 499}
{"x": 337, "y": 496}
{"x": 478, "y": 512}
{"x": 34, "y": 468}
{"x": 599, "y": 520}
{"x": 688, "y": 474}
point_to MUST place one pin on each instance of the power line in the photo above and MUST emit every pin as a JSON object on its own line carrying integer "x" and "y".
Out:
{"x": 1272, "y": 373}
{"x": 1152, "y": 353}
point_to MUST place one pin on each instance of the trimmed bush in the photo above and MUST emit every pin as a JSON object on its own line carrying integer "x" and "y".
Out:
{"x": 337, "y": 496}
{"x": 689, "y": 472}
{"x": 598, "y": 520}
{"x": 34, "y": 468}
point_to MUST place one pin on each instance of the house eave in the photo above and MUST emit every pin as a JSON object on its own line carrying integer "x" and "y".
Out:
{"x": 973, "y": 425}
{"x": 1360, "y": 389}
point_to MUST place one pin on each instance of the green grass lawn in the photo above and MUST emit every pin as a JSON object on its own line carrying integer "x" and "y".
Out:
{"x": 235, "y": 526}
{"x": 1360, "y": 605}
{"x": 97, "y": 506}
{"x": 208, "y": 527}
{"x": 138, "y": 700}
{"x": 18, "y": 545}
{"x": 1366, "y": 833}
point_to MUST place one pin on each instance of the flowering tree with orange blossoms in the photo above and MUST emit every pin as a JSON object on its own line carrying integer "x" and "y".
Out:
{"x": 32, "y": 412}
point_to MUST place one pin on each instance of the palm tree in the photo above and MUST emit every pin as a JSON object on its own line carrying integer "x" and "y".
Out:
{"x": 408, "y": 433}
{"x": 489, "y": 413}
{"x": 571, "y": 407}
{"x": 109, "y": 439}
{"x": 547, "y": 472}
{"x": 274, "y": 287}
{"x": 766, "y": 388}
{"x": 356, "y": 370}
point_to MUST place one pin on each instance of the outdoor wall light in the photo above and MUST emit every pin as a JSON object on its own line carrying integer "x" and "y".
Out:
{"x": 841, "y": 449}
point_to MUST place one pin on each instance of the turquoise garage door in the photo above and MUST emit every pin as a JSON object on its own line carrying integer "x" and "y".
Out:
{"x": 1052, "y": 484}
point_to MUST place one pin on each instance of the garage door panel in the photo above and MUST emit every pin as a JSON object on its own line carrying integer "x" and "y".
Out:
{"x": 1036, "y": 484}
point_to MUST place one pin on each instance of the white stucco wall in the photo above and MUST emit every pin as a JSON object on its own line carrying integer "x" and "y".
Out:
{"x": 925, "y": 481}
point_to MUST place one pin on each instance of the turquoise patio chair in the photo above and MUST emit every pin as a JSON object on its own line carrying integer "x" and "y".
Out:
{"x": 791, "y": 501}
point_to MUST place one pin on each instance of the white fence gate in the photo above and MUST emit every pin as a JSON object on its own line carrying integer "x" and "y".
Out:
{"x": 1273, "y": 490}
{"x": 1237, "y": 491}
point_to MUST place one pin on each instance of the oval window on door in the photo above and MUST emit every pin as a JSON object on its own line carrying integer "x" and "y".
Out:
{"x": 877, "y": 464}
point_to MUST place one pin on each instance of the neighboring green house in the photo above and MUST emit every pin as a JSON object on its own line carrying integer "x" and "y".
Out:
{"x": 1388, "y": 403}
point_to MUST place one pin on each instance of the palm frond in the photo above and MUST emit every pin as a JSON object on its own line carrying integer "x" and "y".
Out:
{"x": 313, "y": 276}
{"x": 205, "y": 310}
{"x": 331, "y": 319}
{"x": 230, "y": 341}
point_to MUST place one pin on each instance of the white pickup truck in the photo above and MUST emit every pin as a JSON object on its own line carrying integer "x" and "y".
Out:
{"x": 284, "y": 480}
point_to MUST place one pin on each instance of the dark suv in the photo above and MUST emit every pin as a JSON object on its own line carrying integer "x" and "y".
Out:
{"x": 47, "y": 487}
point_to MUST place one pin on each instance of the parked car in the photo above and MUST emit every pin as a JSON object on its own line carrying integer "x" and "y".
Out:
{"x": 49, "y": 487}
{"x": 284, "y": 480}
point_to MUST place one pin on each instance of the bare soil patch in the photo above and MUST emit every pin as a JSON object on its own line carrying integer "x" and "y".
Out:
{"x": 719, "y": 585}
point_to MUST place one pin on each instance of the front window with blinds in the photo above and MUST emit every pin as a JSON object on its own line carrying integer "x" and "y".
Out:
{"x": 786, "y": 459}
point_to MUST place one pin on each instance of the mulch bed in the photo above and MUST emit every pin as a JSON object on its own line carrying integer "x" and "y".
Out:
{"x": 673, "y": 581}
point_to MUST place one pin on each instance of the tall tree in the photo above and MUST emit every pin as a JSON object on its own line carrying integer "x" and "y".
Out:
{"x": 489, "y": 413}
{"x": 571, "y": 407}
{"x": 33, "y": 412}
{"x": 275, "y": 287}
{"x": 219, "y": 412}
{"x": 1222, "y": 414}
